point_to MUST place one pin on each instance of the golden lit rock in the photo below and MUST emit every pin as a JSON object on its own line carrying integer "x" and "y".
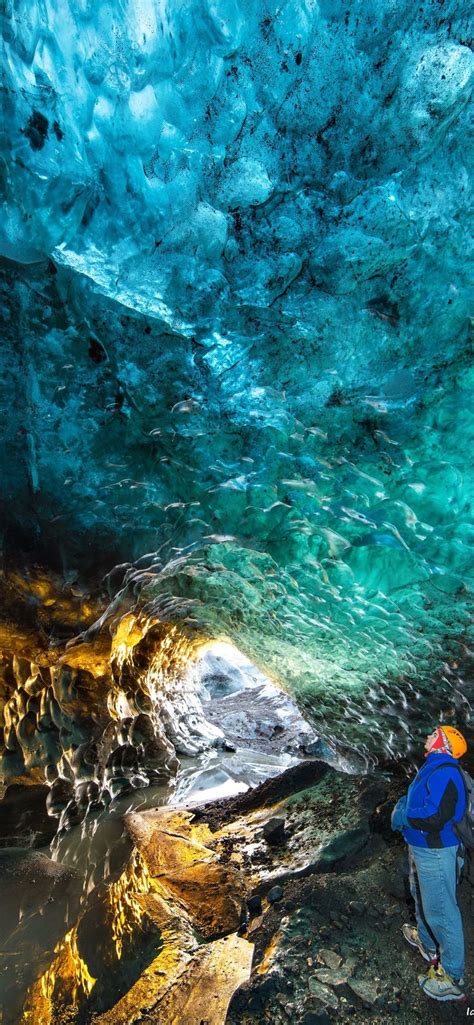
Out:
{"x": 187, "y": 871}
{"x": 175, "y": 881}
{"x": 200, "y": 990}
{"x": 72, "y": 670}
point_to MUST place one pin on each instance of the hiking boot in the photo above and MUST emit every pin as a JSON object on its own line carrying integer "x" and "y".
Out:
{"x": 440, "y": 986}
{"x": 411, "y": 936}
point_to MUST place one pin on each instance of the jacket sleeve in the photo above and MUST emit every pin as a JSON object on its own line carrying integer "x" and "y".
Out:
{"x": 399, "y": 816}
{"x": 435, "y": 809}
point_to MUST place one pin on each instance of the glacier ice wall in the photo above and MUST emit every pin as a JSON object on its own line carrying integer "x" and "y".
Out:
{"x": 235, "y": 270}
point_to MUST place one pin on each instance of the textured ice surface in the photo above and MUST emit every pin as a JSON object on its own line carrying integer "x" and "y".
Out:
{"x": 237, "y": 324}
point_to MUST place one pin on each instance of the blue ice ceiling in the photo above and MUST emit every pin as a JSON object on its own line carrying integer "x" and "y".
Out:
{"x": 236, "y": 242}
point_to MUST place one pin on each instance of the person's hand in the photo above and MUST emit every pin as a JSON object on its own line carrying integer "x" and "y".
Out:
{"x": 399, "y": 814}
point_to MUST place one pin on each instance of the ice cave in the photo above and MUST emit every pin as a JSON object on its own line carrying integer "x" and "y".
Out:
{"x": 236, "y": 498}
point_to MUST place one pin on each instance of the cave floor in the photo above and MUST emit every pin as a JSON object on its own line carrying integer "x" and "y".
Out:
{"x": 284, "y": 904}
{"x": 316, "y": 916}
{"x": 349, "y": 911}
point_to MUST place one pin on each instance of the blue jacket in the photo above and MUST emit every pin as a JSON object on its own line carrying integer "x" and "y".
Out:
{"x": 435, "y": 801}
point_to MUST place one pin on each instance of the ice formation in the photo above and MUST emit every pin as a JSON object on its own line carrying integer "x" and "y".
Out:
{"x": 235, "y": 289}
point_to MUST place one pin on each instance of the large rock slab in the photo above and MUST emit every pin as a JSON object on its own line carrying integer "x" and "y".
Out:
{"x": 187, "y": 870}
{"x": 199, "y": 989}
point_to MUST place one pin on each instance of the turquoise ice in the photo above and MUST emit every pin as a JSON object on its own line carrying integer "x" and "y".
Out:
{"x": 236, "y": 242}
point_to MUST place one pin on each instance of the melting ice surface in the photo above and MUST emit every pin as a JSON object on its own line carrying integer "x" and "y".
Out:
{"x": 272, "y": 736}
{"x": 236, "y": 355}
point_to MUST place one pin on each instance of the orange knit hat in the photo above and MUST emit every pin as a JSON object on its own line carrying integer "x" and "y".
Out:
{"x": 456, "y": 742}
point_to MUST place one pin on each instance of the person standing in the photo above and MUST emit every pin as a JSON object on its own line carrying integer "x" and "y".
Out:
{"x": 427, "y": 816}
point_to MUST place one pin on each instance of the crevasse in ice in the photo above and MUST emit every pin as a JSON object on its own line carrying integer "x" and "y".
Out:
{"x": 236, "y": 254}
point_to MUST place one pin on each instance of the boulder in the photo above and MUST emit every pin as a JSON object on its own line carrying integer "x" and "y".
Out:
{"x": 275, "y": 894}
{"x": 332, "y": 976}
{"x": 274, "y": 831}
{"x": 365, "y": 990}
{"x": 316, "y": 1018}
{"x": 329, "y": 958}
{"x": 326, "y": 995}
{"x": 254, "y": 905}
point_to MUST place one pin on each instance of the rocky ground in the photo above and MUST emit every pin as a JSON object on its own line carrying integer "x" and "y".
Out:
{"x": 283, "y": 904}
{"x": 339, "y": 953}
{"x": 329, "y": 946}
